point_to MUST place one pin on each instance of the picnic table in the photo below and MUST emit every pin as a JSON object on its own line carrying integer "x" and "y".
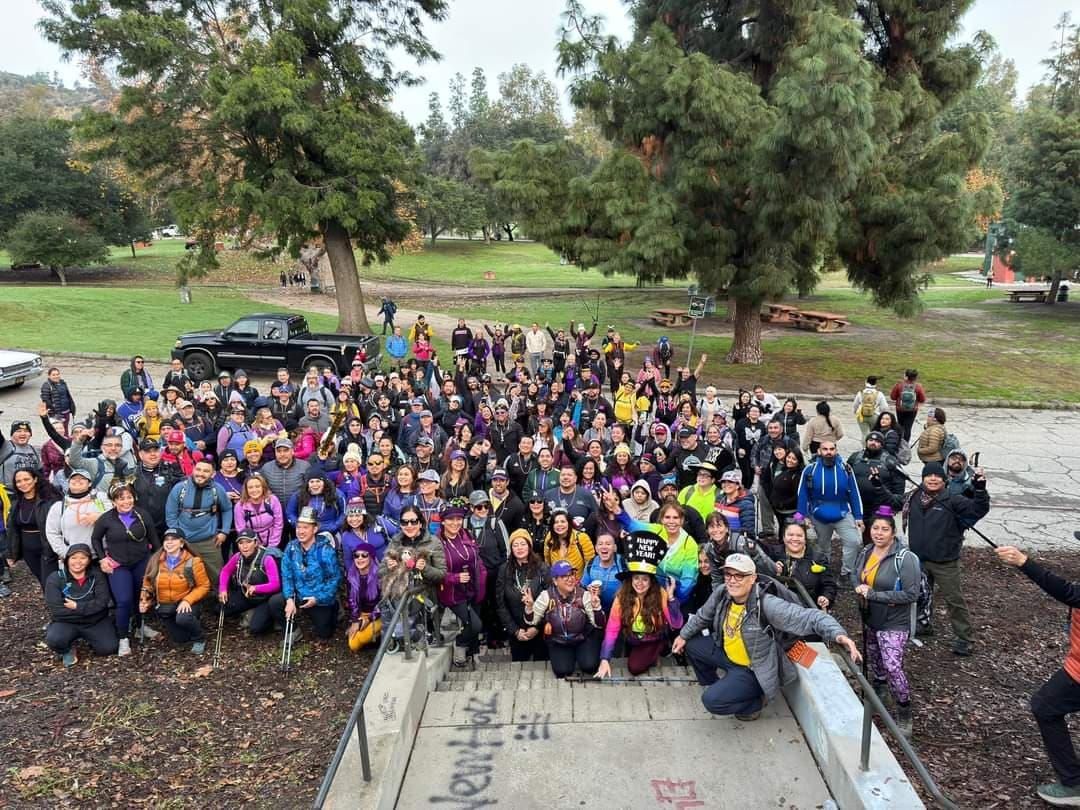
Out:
{"x": 779, "y": 313}
{"x": 819, "y": 321}
{"x": 1028, "y": 296}
{"x": 671, "y": 317}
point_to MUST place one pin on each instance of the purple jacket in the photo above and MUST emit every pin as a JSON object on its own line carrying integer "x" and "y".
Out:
{"x": 462, "y": 555}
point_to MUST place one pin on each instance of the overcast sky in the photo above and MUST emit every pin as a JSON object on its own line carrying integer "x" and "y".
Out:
{"x": 495, "y": 34}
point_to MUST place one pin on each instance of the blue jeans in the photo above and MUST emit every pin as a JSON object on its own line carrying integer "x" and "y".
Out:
{"x": 738, "y": 692}
{"x": 850, "y": 539}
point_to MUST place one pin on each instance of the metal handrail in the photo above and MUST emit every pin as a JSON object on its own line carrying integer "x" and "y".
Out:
{"x": 871, "y": 704}
{"x": 357, "y": 719}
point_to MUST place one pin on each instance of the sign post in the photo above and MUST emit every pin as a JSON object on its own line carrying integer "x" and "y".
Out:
{"x": 699, "y": 304}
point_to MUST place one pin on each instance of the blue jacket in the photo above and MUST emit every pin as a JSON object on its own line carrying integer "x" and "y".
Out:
{"x": 396, "y": 346}
{"x": 828, "y": 494}
{"x": 199, "y": 512}
{"x": 315, "y": 573}
{"x": 331, "y": 515}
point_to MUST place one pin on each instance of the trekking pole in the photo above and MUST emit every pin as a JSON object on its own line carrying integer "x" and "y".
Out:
{"x": 918, "y": 485}
{"x": 616, "y": 679}
{"x": 286, "y": 645}
{"x": 217, "y": 644}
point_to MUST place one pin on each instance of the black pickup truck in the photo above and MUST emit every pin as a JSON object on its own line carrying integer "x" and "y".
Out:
{"x": 267, "y": 342}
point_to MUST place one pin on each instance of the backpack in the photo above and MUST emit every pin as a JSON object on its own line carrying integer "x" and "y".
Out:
{"x": 665, "y": 351}
{"x": 868, "y": 406}
{"x": 951, "y": 443}
{"x": 903, "y": 452}
{"x": 898, "y": 561}
{"x": 908, "y": 397}
{"x": 238, "y": 437}
{"x": 773, "y": 587}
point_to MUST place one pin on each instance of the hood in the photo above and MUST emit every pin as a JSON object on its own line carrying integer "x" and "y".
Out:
{"x": 960, "y": 453}
{"x": 85, "y": 549}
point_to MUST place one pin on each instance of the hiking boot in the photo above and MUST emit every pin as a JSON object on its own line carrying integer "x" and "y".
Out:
{"x": 6, "y": 576}
{"x": 962, "y": 647}
{"x": 198, "y": 648}
{"x": 460, "y": 657}
{"x": 146, "y": 633}
{"x": 748, "y": 718}
{"x": 1059, "y": 795}
{"x": 903, "y": 719}
{"x": 245, "y": 619}
{"x": 124, "y": 647}
{"x": 881, "y": 689}
{"x": 295, "y": 636}
{"x": 924, "y": 630}
{"x": 5, "y": 591}
{"x": 70, "y": 659}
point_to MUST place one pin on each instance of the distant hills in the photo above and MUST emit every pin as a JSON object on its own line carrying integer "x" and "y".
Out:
{"x": 41, "y": 94}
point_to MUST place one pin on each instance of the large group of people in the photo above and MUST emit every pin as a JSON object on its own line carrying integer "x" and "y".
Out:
{"x": 572, "y": 505}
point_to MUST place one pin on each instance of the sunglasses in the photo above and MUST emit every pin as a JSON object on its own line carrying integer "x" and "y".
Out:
{"x": 361, "y": 555}
{"x": 481, "y": 507}
{"x": 410, "y": 522}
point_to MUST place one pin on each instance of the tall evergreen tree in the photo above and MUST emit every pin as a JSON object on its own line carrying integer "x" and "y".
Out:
{"x": 276, "y": 110}
{"x": 752, "y": 138}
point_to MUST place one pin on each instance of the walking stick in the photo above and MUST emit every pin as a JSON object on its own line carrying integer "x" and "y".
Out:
{"x": 286, "y": 646}
{"x": 217, "y": 644}
{"x": 918, "y": 485}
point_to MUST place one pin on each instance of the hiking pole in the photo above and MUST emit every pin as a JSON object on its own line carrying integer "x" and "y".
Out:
{"x": 616, "y": 679}
{"x": 216, "y": 662}
{"x": 918, "y": 485}
{"x": 286, "y": 645}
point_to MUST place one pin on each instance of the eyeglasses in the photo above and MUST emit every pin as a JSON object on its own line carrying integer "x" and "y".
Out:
{"x": 736, "y": 577}
{"x": 410, "y": 522}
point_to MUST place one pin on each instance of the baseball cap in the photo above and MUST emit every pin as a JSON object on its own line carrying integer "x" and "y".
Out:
{"x": 283, "y": 443}
{"x": 499, "y": 473}
{"x": 430, "y": 442}
{"x": 740, "y": 563}
{"x": 429, "y": 475}
{"x": 686, "y": 433}
{"x": 733, "y": 476}
{"x": 149, "y": 444}
{"x": 561, "y": 568}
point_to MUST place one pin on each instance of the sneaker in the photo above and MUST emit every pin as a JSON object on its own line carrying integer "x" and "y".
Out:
{"x": 1059, "y": 795}
{"x": 245, "y": 619}
{"x": 6, "y": 577}
{"x": 5, "y": 591}
{"x": 124, "y": 648}
{"x": 903, "y": 719}
{"x": 748, "y": 718}
{"x": 70, "y": 658}
{"x": 961, "y": 647}
{"x": 199, "y": 647}
{"x": 147, "y": 633}
{"x": 393, "y": 646}
{"x": 460, "y": 657}
{"x": 296, "y": 636}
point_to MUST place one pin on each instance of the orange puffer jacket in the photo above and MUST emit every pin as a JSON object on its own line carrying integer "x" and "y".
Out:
{"x": 168, "y": 587}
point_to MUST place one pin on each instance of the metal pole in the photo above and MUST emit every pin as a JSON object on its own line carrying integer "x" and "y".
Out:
{"x": 867, "y": 721}
{"x": 362, "y": 740}
{"x": 406, "y": 631}
{"x": 690, "y": 351}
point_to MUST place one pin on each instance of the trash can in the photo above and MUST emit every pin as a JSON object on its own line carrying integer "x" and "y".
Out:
{"x": 1063, "y": 293}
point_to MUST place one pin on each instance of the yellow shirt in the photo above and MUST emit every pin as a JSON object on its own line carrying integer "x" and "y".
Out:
{"x": 734, "y": 647}
{"x": 870, "y": 570}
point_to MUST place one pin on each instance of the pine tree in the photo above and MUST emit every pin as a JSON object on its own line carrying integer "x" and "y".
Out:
{"x": 754, "y": 138}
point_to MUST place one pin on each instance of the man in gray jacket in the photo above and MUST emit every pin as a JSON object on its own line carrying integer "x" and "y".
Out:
{"x": 735, "y": 630}
{"x": 114, "y": 461}
{"x": 286, "y": 472}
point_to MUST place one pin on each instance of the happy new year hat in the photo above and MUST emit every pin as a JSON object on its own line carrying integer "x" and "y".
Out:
{"x": 644, "y": 551}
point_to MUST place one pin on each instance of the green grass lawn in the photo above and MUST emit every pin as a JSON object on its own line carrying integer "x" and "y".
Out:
{"x": 114, "y": 321}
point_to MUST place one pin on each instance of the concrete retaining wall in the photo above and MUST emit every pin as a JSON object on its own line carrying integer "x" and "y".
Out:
{"x": 830, "y": 714}
{"x": 393, "y": 709}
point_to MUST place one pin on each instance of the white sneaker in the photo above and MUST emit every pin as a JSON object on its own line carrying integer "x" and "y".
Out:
{"x": 147, "y": 633}
{"x": 124, "y": 648}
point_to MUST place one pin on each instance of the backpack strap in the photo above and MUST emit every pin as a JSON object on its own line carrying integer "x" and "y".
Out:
{"x": 189, "y": 572}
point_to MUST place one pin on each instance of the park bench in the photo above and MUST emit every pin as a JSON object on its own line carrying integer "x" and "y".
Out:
{"x": 819, "y": 321}
{"x": 671, "y": 317}
{"x": 779, "y": 313}
{"x": 1027, "y": 296}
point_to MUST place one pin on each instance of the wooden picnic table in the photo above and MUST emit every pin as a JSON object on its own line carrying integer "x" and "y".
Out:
{"x": 819, "y": 321}
{"x": 1024, "y": 296}
{"x": 671, "y": 317}
{"x": 779, "y": 313}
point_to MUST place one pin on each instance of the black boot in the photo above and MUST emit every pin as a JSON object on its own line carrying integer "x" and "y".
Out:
{"x": 903, "y": 718}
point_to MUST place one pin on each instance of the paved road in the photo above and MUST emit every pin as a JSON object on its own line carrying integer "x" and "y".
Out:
{"x": 1031, "y": 457}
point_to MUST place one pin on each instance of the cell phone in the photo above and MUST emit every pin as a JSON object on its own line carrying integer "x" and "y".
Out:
{"x": 596, "y": 584}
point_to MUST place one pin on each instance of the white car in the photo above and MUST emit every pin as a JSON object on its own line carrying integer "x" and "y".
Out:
{"x": 18, "y": 367}
{"x": 170, "y": 231}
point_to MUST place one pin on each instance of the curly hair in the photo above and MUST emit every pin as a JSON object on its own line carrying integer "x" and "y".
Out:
{"x": 650, "y": 606}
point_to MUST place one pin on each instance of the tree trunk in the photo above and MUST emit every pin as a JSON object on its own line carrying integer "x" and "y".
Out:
{"x": 487, "y": 235}
{"x": 60, "y": 274}
{"x": 1054, "y": 285}
{"x": 746, "y": 344}
{"x": 132, "y": 243}
{"x": 352, "y": 319}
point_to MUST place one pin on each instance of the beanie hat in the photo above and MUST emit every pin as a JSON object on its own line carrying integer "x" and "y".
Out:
{"x": 933, "y": 468}
{"x": 252, "y": 446}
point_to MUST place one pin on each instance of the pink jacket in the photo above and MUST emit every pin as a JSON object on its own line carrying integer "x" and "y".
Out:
{"x": 264, "y": 520}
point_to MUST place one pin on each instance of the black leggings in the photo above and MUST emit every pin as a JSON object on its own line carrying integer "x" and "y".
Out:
{"x": 906, "y": 420}
{"x": 262, "y": 619}
{"x": 469, "y": 637}
{"x": 101, "y": 636}
{"x": 585, "y": 655}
